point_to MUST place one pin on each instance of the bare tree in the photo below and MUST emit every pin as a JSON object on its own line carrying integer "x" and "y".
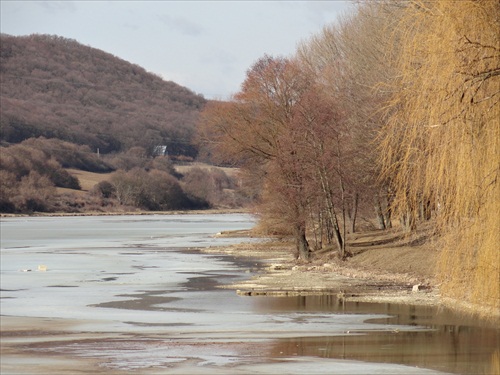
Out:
{"x": 255, "y": 130}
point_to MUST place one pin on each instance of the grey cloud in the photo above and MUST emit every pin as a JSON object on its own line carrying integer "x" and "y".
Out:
{"x": 182, "y": 25}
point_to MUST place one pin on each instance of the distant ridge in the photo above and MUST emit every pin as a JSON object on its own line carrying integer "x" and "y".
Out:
{"x": 58, "y": 88}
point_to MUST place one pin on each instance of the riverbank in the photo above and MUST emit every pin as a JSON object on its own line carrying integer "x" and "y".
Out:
{"x": 133, "y": 212}
{"x": 386, "y": 267}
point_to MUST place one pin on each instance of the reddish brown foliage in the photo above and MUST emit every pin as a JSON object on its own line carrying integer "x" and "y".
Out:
{"x": 57, "y": 88}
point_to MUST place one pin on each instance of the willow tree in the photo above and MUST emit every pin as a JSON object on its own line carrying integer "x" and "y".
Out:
{"x": 441, "y": 143}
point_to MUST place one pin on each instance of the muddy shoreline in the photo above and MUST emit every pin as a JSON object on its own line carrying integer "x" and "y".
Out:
{"x": 283, "y": 275}
{"x": 126, "y": 213}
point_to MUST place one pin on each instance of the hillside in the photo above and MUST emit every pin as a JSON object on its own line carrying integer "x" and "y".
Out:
{"x": 58, "y": 88}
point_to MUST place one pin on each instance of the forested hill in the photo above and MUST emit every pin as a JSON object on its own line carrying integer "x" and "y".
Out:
{"x": 58, "y": 88}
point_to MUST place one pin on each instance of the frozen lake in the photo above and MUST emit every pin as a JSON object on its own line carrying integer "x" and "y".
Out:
{"x": 132, "y": 295}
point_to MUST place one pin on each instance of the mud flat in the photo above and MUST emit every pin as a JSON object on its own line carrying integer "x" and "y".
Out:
{"x": 283, "y": 275}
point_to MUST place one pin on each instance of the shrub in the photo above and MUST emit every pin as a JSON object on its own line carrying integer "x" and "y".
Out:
{"x": 23, "y": 159}
{"x": 153, "y": 190}
{"x": 163, "y": 163}
{"x": 211, "y": 185}
{"x": 136, "y": 157}
{"x": 69, "y": 155}
{"x": 35, "y": 193}
{"x": 104, "y": 189}
{"x": 28, "y": 177}
{"x": 164, "y": 192}
{"x": 197, "y": 183}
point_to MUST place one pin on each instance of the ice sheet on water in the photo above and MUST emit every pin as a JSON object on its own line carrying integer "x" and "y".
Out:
{"x": 213, "y": 358}
{"x": 94, "y": 261}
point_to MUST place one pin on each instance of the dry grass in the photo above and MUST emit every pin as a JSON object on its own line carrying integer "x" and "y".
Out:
{"x": 183, "y": 168}
{"x": 391, "y": 251}
{"x": 89, "y": 179}
{"x": 61, "y": 191}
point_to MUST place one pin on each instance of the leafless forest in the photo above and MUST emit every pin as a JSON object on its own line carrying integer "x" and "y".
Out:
{"x": 395, "y": 107}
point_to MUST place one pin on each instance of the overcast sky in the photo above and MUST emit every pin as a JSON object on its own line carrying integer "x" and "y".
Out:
{"x": 206, "y": 46}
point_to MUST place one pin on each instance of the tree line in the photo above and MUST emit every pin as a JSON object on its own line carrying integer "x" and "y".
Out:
{"x": 35, "y": 177}
{"x": 395, "y": 107}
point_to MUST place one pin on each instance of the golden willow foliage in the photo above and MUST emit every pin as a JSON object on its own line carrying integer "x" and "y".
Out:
{"x": 441, "y": 142}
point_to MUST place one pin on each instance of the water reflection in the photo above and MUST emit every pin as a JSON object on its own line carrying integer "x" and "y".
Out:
{"x": 452, "y": 343}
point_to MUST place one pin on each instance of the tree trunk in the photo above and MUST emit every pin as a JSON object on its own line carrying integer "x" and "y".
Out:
{"x": 425, "y": 209}
{"x": 388, "y": 218}
{"x": 339, "y": 239}
{"x": 301, "y": 242}
{"x": 353, "y": 213}
{"x": 408, "y": 221}
{"x": 318, "y": 239}
{"x": 388, "y": 209}
{"x": 328, "y": 198}
{"x": 379, "y": 213}
{"x": 343, "y": 200}
{"x": 332, "y": 216}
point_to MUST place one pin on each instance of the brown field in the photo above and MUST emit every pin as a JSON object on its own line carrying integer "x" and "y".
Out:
{"x": 183, "y": 168}
{"x": 88, "y": 179}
